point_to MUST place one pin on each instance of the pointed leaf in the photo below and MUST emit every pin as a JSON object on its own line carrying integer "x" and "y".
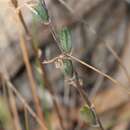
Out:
{"x": 41, "y": 12}
{"x": 68, "y": 68}
{"x": 65, "y": 40}
{"x": 87, "y": 115}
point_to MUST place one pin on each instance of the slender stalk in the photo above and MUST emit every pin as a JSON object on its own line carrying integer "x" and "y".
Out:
{"x": 19, "y": 13}
{"x": 100, "y": 72}
{"x": 94, "y": 69}
{"x": 81, "y": 91}
{"x": 50, "y": 25}
{"x": 66, "y": 6}
{"x": 11, "y": 125}
{"x": 14, "y": 111}
{"x": 47, "y": 84}
{"x": 32, "y": 80}
{"x": 96, "y": 87}
{"x": 27, "y": 63}
{"x": 26, "y": 118}
{"x": 36, "y": 100}
{"x": 50, "y": 88}
{"x": 12, "y": 87}
{"x": 87, "y": 101}
{"x": 71, "y": 11}
{"x": 119, "y": 61}
{"x": 46, "y": 81}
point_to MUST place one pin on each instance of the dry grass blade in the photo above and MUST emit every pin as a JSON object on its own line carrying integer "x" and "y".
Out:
{"x": 119, "y": 60}
{"x": 32, "y": 80}
{"x": 41, "y": 66}
{"x": 52, "y": 92}
{"x": 66, "y": 6}
{"x": 96, "y": 87}
{"x": 12, "y": 87}
{"x": 14, "y": 111}
{"x": 10, "y": 121}
{"x": 20, "y": 16}
{"x": 99, "y": 72}
{"x": 27, "y": 63}
{"x": 26, "y": 118}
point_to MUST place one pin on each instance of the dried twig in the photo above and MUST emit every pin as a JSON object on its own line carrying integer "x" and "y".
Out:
{"x": 119, "y": 60}
{"x": 47, "y": 84}
{"x": 26, "y": 118}
{"x": 27, "y": 63}
{"x": 12, "y": 87}
{"x": 14, "y": 111}
{"x": 32, "y": 81}
{"x": 99, "y": 72}
{"x": 97, "y": 86}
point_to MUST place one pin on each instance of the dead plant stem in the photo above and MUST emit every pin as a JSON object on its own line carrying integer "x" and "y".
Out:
{"x": 27, "y": 62}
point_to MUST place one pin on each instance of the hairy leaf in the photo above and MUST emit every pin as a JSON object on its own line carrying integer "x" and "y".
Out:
{"x": 68, "y": 68}
{"x": 41, "y": 12}
{"x": 65, "y": 40}
{"x": 87, "y": 115}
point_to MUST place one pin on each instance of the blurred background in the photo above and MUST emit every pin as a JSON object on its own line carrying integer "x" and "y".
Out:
{"x": 100, "y": 37}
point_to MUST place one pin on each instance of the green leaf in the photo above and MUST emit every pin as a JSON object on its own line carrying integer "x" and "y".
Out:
{"x": 41, "y": 12}
{"x": 87, "y": 115}
{"x": 67, "y": 68}
{"x": 65, "y": 40}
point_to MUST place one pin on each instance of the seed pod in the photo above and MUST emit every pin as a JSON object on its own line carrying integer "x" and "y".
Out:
{"x": 87, "y": 115}
{"x": 65, "y": 40}
{"x": 68, "y": 68}
{"x": 41, "y": 12}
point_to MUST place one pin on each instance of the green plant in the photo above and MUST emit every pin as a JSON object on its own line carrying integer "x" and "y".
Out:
{"x": 65, "y": 45}
{"x": 64, "y": 42}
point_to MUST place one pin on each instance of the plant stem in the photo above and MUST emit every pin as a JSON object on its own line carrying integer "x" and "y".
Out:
{"x": 119, "y": 60}
{"x": 26, "y": 119}
{"x": 86, "y": 99}
{"x": 50, "y": 88}
{"x": 14, "y": 111}
{"x": 81, "y": 91}
{"x": 35, "y": 49}
{"x": 100, "y": 72}
{"x": 12, "y": 87}
{"x": 27, "y": 63}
